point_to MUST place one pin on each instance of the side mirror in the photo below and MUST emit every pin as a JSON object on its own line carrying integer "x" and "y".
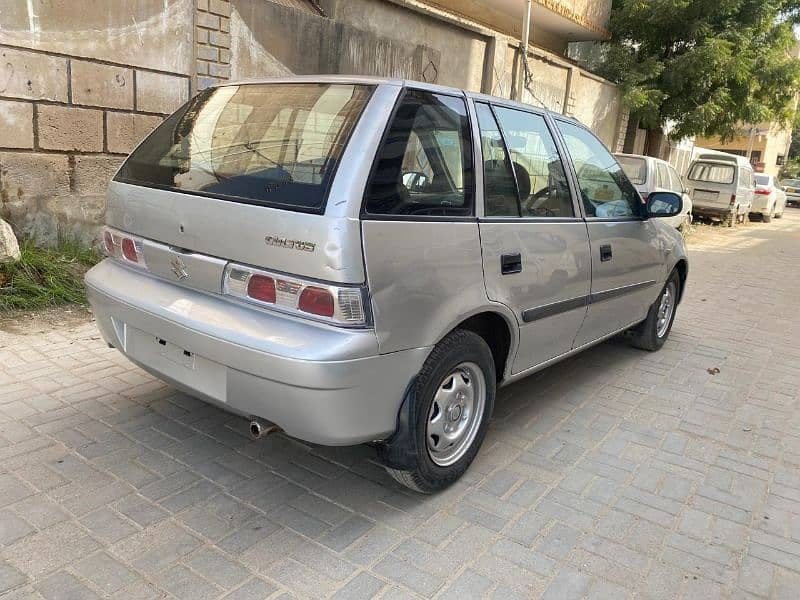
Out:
{"x": 664, "y": 204}
{"x": 414, "y": 181}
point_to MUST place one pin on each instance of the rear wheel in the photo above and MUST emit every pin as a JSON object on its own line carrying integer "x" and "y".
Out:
{"x": 651, "y": 333}
{"x": 766, "y": 217}
{"x": 732, "y": 219}
{"x": 454, "y": 400}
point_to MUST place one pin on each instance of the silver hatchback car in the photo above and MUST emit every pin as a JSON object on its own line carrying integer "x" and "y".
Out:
{"x": 361, "y": 260}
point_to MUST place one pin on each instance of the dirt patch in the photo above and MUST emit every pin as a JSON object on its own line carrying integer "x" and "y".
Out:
{"x": 41, "y": 321}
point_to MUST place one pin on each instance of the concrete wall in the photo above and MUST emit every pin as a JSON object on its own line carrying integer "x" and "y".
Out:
{"x": 79, "y": 87}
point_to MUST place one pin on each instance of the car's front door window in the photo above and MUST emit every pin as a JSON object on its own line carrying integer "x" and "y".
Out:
{"x": 605, "y": 189}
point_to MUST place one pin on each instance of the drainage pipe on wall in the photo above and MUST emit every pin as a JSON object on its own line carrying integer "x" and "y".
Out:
{"x": 523, "y": 51}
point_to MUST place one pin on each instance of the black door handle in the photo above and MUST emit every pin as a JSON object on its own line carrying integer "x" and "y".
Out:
{"x": 605, "y": 252}
{"x": 510, "y": 263}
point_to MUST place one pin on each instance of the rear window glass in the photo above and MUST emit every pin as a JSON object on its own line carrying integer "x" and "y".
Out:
{"x": 711, "y": 172}
{"x": 762, "y": 179}
{"x": 635, "y": 168}
{"x": 272, "y": 144}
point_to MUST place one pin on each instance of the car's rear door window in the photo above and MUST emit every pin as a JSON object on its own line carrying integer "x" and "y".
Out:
{"x": 274, "y": 144}
{"x": 540, "y": 175}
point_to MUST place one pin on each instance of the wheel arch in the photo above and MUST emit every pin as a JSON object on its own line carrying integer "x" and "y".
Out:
{"x": 682, "y": 267}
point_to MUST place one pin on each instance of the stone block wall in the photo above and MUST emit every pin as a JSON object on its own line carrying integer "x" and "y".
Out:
{"x": 71, "y": 108}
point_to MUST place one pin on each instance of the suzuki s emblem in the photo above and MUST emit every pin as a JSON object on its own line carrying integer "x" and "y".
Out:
{"x": 179, "y": 268}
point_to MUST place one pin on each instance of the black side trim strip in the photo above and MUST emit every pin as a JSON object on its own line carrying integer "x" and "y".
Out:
{"x": 548, "y": 310}
{"x": 620, "y": 291}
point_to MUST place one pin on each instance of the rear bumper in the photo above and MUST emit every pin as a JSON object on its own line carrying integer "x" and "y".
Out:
{"x": 712, "y": 211}
{"x": 760, "y": 204}
{"x": 319, "y": 383}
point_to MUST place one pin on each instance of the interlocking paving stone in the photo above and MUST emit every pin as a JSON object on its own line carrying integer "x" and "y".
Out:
{"x": 616, "y": 474}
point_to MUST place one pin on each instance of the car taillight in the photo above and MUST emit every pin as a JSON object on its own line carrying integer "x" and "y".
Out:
{"x": 733, "y": 199}
{"x": 261, "y": 288}
{"x": 336, "y": 304}
{"x": 316, "y": 301}
{"x": 763, "y": 192}
{"x": 129, "y": 250}
{"x": 123, "y": 247}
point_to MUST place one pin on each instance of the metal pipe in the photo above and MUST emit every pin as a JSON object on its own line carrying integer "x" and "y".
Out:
{"x": 526, "y": 32}
{"x": 260, "y": 427}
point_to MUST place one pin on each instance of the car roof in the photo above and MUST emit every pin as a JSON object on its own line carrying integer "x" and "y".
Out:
{"x": 420, "y": 85}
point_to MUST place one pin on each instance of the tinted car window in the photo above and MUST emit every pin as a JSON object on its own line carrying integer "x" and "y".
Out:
{"x": 424, "y": 166}
{"x": 605, "y": 189}
{"x": 762, "y": 179}
{"x": 273, "y": 144}
{"x": 541, "y": 180}
{"x": 499, "y": 185}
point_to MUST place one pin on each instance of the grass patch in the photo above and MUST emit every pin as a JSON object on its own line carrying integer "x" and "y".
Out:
{"x": 46, "y": 277}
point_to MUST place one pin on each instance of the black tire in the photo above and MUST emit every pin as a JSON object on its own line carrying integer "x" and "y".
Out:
{"x": 459, "y": 346}
{"x": 645, "y": 334}
{"x": 732, "y": 219}
{"x": 766, "y": 217}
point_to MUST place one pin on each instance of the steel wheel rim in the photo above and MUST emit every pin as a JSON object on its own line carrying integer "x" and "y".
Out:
{"x": 665, "y": 309}
{"x": 455, "y": 415}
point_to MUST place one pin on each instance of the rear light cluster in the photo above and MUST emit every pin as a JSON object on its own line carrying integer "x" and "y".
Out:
{"x": 124, "y": 247}
{"x": 339, "y": 305}
{"x": 763, "y": 192}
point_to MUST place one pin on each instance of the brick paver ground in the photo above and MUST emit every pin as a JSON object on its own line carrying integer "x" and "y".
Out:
{"x": 616, "y": 474}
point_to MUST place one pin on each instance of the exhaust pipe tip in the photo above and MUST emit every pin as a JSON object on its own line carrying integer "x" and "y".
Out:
{"x": 260, "y": 428}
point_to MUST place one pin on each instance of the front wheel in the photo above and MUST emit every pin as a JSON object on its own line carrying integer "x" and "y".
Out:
{"x": 453, "y": 402}
{"x": 651, "y": 333}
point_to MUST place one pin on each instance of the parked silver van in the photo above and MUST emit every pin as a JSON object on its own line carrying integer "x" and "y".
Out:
{"x": 721, "y": 186}
{"x": 364, "y": 260}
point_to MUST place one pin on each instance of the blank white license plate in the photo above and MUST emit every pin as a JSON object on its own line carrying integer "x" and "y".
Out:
{"x": 196, "y": 372}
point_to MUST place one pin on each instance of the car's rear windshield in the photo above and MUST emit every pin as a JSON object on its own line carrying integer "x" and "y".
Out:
{"x": 762, "y": 179}
{"x": 635, "y": 168}
{"x": 711, "y": 172}
{"x": 274, "y": 144}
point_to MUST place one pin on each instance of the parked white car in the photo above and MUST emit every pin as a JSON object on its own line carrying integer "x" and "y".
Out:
{"x": 721, "y": 186}
{"x": 769, "y": 199}
{"x": 791, "y": 188}
{"x": 649, "y": 174}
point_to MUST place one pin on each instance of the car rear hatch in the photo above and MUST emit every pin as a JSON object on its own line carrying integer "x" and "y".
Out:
{"x": 242, "y": 173}
{"x": 712, "y": 184}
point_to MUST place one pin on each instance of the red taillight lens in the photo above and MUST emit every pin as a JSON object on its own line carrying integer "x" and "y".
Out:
{"x": 261, "y": 288}
{"x": 733, "y": 199}
{"x": 763, "y": 192}
{"x": 316, "y": 301}
{"x": 129, "y": 250}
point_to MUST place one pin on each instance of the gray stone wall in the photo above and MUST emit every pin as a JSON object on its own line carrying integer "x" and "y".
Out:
{"x": 79, "y": 88}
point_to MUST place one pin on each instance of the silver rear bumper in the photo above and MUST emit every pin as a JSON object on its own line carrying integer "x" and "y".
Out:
{"x": 320, "y": 383}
